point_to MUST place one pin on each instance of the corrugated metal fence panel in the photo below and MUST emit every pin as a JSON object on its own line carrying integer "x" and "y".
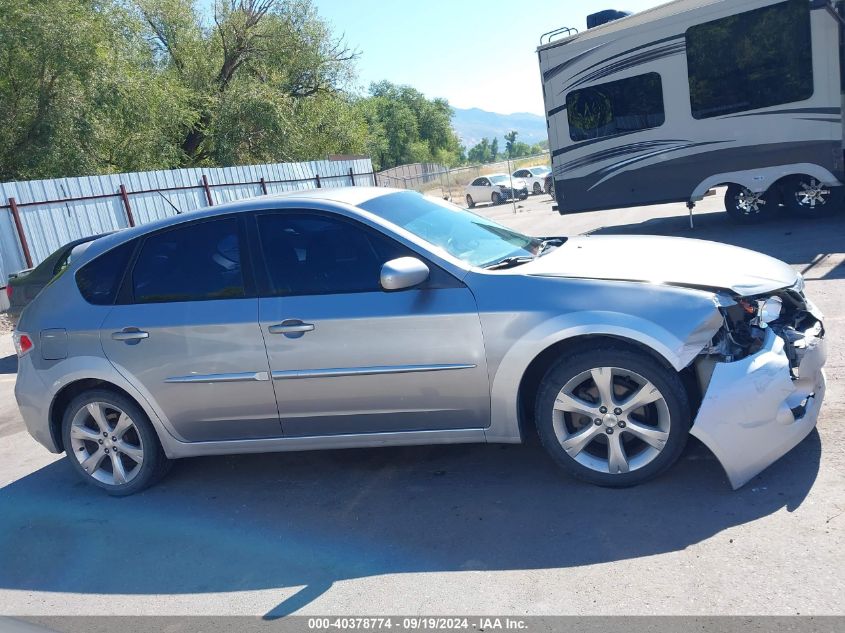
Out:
{"x": 152, "y": 195}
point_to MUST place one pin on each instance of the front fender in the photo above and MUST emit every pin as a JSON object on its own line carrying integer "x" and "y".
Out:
{"x": 677, "y": 352}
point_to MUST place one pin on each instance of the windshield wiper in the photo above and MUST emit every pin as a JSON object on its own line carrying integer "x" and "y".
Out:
{"x": 509, "y": 262}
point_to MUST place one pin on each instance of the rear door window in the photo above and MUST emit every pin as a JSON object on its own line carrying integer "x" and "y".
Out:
{"x": 196, "y": 262}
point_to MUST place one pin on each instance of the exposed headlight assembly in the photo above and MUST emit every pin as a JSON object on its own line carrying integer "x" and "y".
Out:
{"x": 769, "y": 311}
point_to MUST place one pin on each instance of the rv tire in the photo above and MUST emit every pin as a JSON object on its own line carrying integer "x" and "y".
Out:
{"x": 746, "y": 207}
{"x": 807, "y": 197}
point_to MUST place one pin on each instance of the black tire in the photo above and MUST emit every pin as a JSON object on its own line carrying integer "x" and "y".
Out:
{"x": 745, "y": 207}
{"x": 496, "y": 198}
{"x": 537, "y": 189}
{"x": 470, "y": 202}
{"x": 624, "y": 358}
{"x": 551, "y": 191}
{"x": 155, "y": 463}
{"x": 806, "y": 197}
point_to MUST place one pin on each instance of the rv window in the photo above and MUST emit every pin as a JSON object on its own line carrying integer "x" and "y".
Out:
{"x": 616, "y": 107}
{"x": 751, "y": 60}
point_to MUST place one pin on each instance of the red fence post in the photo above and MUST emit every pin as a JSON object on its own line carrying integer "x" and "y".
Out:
{"x": 13, "y": 205}
{"x": 317, "y": 178}
{"x": 123, "y": 196}
{"x": 352, "y": 176}
{"x": 207, "y": 190}
{"x": 263, "y": 185}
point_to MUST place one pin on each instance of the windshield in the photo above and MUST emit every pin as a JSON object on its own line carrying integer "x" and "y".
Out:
{"x": 499, "y": 180}
{"x": 465, "y": 235}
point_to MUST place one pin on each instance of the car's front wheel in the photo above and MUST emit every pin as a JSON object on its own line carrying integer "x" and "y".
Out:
{"x": 496, "y": 198}
{"x": 612, "y": 416}
{"x": 111, "y": 443}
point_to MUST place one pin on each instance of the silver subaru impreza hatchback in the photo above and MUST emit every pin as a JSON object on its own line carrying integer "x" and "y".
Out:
{"x": 358, "y": 317}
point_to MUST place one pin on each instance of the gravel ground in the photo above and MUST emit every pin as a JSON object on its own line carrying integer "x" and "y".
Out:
{"x": 6, "y": 324}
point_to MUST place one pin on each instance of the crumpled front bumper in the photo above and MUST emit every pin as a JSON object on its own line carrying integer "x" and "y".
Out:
{"x": 754, "y": 411}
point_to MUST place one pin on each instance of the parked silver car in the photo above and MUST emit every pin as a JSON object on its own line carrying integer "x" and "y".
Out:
{"x": 341, "y": 318}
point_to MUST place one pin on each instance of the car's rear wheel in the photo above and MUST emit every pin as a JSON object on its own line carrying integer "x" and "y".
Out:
{"x": 496, "y": 198}
{"x": 111, "y": 444}
{"x": 537, "y": 189}
{"x": 470, "y": 202}
{"x": 808, "y": 197}
{"x": 613, "y": 416}
{"x": 746, "y": 207}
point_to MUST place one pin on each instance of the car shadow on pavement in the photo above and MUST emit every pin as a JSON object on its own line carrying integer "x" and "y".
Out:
{"x": 307, "y": 520}
{"x": 795, "y": 241}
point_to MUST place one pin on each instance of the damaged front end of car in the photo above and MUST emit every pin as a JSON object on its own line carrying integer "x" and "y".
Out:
{"x": 762, "y": 380}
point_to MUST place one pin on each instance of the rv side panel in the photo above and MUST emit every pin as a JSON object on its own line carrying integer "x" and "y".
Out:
{"x": 662, "y": 106}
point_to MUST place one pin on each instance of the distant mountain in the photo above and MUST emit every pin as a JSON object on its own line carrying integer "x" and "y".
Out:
{"x": 474, "y": 124}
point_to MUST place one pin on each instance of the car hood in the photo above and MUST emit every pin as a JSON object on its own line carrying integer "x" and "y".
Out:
{"x": 518, "y": 183}
{"x": 669, "y": 260}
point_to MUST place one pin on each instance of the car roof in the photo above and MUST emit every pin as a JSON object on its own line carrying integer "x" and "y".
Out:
{"x": 351, "y": 196}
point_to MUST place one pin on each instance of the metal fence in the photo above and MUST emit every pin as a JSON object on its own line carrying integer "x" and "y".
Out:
{"x": 447, "y": 183}
{"x": 39, "y": 216}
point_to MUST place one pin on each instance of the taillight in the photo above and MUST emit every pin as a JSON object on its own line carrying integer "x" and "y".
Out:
{"x": 23, "y": 344}
{"x": 9, "y": 291}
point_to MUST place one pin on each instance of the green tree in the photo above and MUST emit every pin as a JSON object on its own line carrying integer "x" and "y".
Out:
{"x": 510, "y": 141}
{"x": 481, "y": 153}
{"x": 494, "y": 150}
{"x": 411, "y": 127}
{"x": 260, "y": 76}
{"x": 80, "y": 93}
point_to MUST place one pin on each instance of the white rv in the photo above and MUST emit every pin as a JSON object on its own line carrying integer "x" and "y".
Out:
{"x": 665, "y": 105}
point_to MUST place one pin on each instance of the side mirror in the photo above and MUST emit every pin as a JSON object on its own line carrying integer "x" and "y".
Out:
{"x": 402, "y": 273}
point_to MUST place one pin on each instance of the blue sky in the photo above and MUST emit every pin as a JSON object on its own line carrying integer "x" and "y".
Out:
{"x": 475, "y": 53}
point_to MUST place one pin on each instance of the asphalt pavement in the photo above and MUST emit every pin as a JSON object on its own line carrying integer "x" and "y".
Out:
{"x": 448, "y": 529}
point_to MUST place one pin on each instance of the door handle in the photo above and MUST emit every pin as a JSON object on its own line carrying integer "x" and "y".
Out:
{"x": 130, "y": 335}
{"x": 293, "y": 326}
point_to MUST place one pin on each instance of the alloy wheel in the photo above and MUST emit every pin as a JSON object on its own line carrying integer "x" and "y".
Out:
{"x": 750, "y": 203}
{"x": 812, "y": 194}
{"x": 611, "y": 420}
{"x": 106, "y": 443}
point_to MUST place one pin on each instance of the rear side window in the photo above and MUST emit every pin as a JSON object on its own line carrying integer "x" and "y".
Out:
{"x": 99, "y": 279}
{"x": 751, "y": 60}
{"x": 616, "y": 107}
{"x": 197, "y": 262}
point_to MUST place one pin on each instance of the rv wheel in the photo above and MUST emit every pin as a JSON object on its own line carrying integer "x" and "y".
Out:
{"x": 746, "y": 207}
{"x": 808, "y": 197}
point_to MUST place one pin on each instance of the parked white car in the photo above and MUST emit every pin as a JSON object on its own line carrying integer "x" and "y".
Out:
{"x": 495, "y": 188}
{"x": 534, "y": 177}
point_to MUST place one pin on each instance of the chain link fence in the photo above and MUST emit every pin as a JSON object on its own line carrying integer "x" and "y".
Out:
{"x": 449, "y": 184}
